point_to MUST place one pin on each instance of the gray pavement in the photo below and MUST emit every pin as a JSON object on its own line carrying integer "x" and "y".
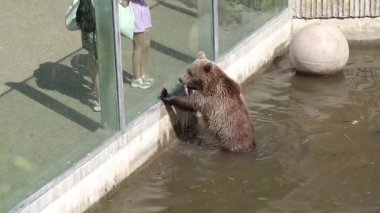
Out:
{"x": 47, "y": 123}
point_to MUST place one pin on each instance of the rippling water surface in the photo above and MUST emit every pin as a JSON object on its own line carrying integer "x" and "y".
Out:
{"x": 318, "y": 151}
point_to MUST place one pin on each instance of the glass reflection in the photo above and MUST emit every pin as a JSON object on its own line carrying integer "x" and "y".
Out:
{"x": 179, "y": 29}
{"x": 46, "y": 98}
{"x": 240, "y": 18}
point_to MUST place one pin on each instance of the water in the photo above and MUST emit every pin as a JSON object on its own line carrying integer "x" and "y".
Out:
{"x": 318, "y": 142}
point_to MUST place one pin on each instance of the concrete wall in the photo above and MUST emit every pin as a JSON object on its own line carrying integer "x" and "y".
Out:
{"x": 103, "y": 169}
{"x": 355, "y": 30}
{"x": 259, "y": 49}
{"x": 335, "y": 8}
{"x": 358, "y": 19}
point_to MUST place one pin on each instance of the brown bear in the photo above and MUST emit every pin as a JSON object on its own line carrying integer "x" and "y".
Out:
{"x": 220, "y": 102}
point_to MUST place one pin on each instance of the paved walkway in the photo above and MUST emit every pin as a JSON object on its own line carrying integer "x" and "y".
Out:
{"x": 47, "y": 123}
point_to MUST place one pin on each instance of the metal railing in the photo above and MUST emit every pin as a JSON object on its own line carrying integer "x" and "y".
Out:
{"x": 335, "y": 8}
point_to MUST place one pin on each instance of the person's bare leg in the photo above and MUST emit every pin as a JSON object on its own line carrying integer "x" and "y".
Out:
{"x": 137, "y": 56}
{"x": 145, "y": 52}
{"x": 138, "y": 46}
{"x": 94, "y": 74}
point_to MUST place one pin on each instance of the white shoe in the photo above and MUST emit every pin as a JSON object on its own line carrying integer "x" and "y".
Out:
{"x": 148, "y": 79}
{"x": 139, "y": 83}
{"x": 96, "y": 106}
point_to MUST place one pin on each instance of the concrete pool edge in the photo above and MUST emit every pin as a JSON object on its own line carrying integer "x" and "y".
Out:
{"x": 105, "y": 167}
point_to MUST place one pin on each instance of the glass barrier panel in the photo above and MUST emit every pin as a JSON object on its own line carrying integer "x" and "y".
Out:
{"x": 168, "y": 35}
{"x": 49, "y": 118}
{"x": 240, "y": 18}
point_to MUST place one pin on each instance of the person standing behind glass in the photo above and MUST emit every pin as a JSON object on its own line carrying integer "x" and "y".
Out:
{"x": 85, "y": 18}
{"x": 141, "y": 43}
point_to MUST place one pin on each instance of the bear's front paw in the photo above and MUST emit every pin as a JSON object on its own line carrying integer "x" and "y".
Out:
{"x": 165, "y": 95}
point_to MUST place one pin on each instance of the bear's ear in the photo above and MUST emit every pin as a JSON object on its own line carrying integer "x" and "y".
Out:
{"x": 202, "y": 55}
{"x": 208, "y": 67}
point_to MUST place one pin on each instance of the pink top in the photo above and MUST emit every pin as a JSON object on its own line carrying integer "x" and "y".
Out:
{"x": 142, "y": 15}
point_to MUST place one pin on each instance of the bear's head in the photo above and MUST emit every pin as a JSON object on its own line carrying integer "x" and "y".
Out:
{"x": 199, "y": 73}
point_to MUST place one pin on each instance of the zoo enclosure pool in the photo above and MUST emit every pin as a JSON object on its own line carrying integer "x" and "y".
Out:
{"x": 318, "y": 142}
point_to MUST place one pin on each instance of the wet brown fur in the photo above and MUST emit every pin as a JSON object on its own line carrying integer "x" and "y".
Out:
{"x": 220, "y": 101}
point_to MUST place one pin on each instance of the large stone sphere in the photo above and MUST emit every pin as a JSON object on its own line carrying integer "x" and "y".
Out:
{"x": 319, "y": 50}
